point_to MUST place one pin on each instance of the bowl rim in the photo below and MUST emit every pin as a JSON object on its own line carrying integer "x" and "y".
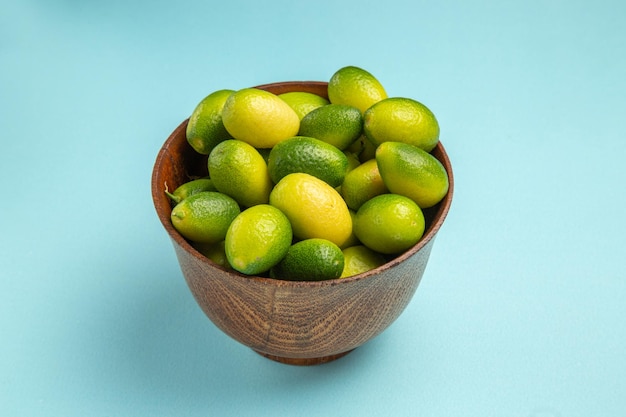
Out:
{"x": 443, "y": 207}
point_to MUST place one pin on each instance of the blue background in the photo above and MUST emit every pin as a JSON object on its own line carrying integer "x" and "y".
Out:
{"x": 521, "y": 311}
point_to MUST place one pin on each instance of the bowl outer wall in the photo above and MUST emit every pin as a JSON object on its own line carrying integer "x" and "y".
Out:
{"x": 301, "y": 319}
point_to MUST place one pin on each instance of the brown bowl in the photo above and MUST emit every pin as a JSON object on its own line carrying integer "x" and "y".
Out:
{"x": 300, "y": 323}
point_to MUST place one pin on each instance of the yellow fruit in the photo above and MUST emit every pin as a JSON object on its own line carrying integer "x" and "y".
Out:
{"x": 238, "y": 170}
{"x": 314, "y": 208}
{"x": 259, "y": 118}
{"x": 204, "y": 217}
{"x": 190, "y": 188}
{"x": 356, "y": 87}
{"x": 302, "y": 102}
{"x": 310, "y": 260}
{"x": 389, "y": 223}
{"x": 308, "y": 155}
{"x": 337, "y": 124}
{"x": 404, "y": 120}
{"x": 359, "y": 259}
{"x": 361, "y": 184}
{"x": 205, "y": 128}
{"x": 412, "y": 172}
{"x": 258, "y": 239}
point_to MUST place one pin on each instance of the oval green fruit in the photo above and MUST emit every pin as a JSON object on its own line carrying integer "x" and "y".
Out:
{"x": 337, "y": 124}
{"x": 401, "y": 119}
{"x": 204, "y": 217}
{"x": 310, "y": 156}
{"x": 239, "y": 170}
{"x": 310, "y": 260}
{"x": 205, "y": 127}
{"x": 410, "y": 171}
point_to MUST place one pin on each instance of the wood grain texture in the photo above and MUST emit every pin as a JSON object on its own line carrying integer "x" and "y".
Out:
{"x": 301, "y": 323}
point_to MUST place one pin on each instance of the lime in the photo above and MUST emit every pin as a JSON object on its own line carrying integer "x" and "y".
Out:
{"x": 356, "y": 87}
{"x": 412, "y": 172}
{"x": 310, "y": 260}
{"x": 363, "y": 148}
{"x": 205, "y": 128}
{"x": 308, "y": 155}
{"x": 314, "y": 208}
{"x": 238, "y": 169}
{"x": 353, "y": 160}
{"x": 389, "y": 223}
{"x": 359, "y": 259}
{"x": 352, "y": 239}
{"x": 361, "y": 184}
{"x": 404, "y": 120}
{"x": 259, "y": 118}
{"x": 337, "y": 124}
{"x": 190, "y": 188}
{"x": 302, "y": 102}
{"x": 258, "y": 239}
{"x": 214, "y": 251}
{"x": 205, "y": 216}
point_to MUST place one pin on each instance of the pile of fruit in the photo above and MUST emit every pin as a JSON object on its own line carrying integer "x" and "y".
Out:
{"x": 304, "y": 187}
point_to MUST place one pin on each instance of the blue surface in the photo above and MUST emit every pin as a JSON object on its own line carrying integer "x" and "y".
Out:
{"x": 521, "y": 310}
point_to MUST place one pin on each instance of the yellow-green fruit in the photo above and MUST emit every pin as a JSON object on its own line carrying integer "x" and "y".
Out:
{"x": 310, "y": 260}
{"x": 302, "y": 102}
{"x": 404, "y": 120}
{"x": 359, "y": 259}
{"x": 412, "y": 172}
{"x": 361, "y": 184}
{"x": 314, "y": 208}
{"x": 259, "y": 118}
{"x": 356, "y": 87}
{"x": 204, "y": 217}
{"x": 308, "y": 155}
{"x": 352, "y": 240}
{"x": 215, "y": 252}
{"x": 205, "y": 128}
{"x": 238, "y": 170}
{"x": 363, "y": 148}
{"x": 258, "y": 239}
{"x": 337, "y": 124}
{"x": 353, "y": 160}
{"x": 190, "y": 188}
{"x": 389, "y": 223}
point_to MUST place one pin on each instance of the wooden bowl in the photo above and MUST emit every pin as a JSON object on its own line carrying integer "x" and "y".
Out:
{"x": 299, "y": 323}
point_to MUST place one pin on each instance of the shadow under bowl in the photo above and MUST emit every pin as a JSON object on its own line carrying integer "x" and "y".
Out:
{"x": 304, "y": 322}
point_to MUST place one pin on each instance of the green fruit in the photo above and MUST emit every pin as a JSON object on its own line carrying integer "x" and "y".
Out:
{"x": 337, "y": 124}
{"x": 310, "y": 260}
{"x": 361, "y": 184}
{"x": 302, "y": 102}
{"x": 359, "y": 259}
{"x": 310, "y": 156}
{"x": 238, "y": 170}
{"x": 205, "y": 128}
{"x": 204, "y": 217}
{"x": 356, "y": 87}
{"x": 389, "y": 223}
{"x": 190, "y": 188}
{"x": 410, "y": 171}
{"x": 404, "y": 120}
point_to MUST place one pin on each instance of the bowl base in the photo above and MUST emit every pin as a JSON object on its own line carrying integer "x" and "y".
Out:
{"x": 304, "y": 361}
